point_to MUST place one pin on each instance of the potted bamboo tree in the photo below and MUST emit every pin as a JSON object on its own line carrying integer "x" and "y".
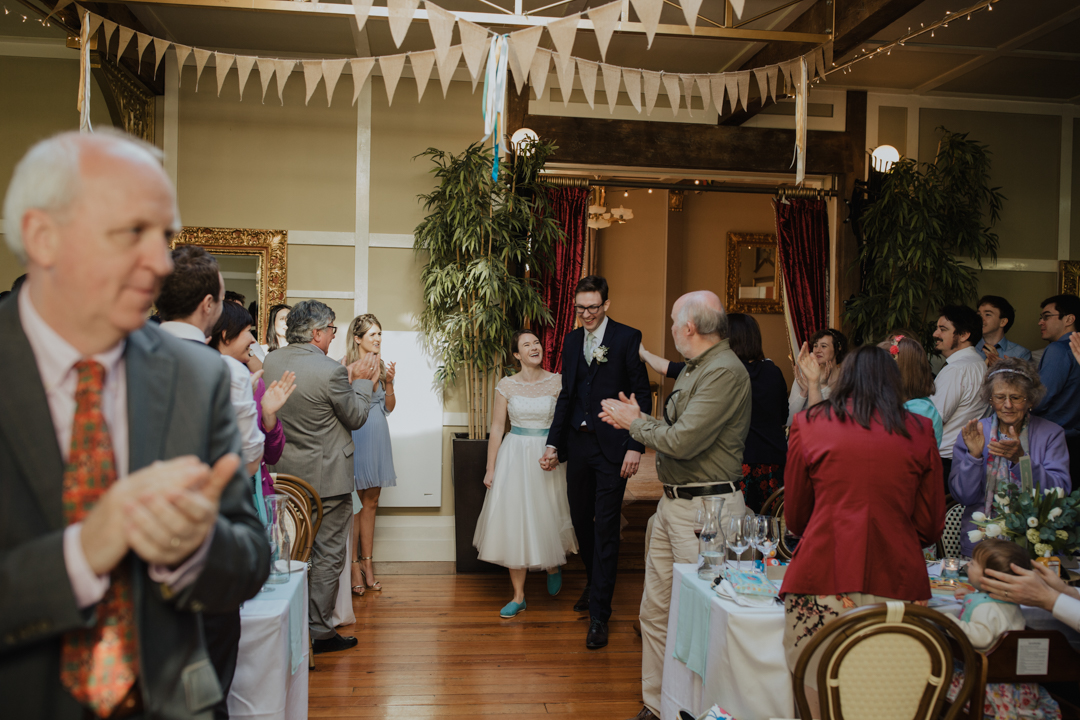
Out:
{"x": 489, "y": 231}
{"x": 919, "y": 225}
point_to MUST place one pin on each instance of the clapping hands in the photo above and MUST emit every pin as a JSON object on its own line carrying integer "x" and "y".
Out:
{"x": 366, "y": 368}
{"x": 973, "y": 436}
{"x": 278, "y": 392}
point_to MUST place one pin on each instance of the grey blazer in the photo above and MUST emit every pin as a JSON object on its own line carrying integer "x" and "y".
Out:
{"x": 319, "y": 418}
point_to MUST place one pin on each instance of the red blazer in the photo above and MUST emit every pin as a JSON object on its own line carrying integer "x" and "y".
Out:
{"x": 865, "y": 502}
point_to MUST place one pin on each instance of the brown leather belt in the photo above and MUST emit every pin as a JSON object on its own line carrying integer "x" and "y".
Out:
{"x": 689, "y": 493}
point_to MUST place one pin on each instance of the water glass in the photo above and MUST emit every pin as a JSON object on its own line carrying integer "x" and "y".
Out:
{"x": 278, "y": 537}
{"x": 950, "y": 569}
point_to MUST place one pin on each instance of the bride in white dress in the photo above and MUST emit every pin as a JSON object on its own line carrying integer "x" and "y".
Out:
{"x": 525, "y": 524}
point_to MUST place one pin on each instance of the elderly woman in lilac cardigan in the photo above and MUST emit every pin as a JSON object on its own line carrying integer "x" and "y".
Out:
{"x": 990, "y": 451}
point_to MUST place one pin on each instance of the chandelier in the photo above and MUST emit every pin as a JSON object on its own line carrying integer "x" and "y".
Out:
{"x": 600, "y": 216}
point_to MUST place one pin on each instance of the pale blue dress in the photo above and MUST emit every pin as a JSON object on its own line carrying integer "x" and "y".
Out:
{"x": 373, "y": 458}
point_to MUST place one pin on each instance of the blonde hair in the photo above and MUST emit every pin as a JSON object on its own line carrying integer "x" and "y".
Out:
{"x": 358, "y": 328}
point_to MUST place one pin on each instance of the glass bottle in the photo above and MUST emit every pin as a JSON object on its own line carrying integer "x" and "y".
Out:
{"x": 711, "y": 542}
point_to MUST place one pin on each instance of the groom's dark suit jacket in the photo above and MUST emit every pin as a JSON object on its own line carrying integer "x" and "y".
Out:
{"x": 178, "y": 404}
{"x": 584, "y": 386}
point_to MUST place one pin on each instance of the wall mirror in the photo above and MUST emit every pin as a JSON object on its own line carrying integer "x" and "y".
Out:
{"x": 253, "y": 263}
{"x": 1069, "y": 276}
{"x": 753, "y": 274}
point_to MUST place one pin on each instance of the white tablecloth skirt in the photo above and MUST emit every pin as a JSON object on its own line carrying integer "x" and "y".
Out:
{"x": 746, "y": 672}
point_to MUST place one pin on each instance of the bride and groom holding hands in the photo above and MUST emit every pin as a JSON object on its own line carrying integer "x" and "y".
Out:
{"x": 556, "y": 480}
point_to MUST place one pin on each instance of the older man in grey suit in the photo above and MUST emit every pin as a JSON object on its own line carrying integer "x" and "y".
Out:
{"x": 330, "y": 401}
{"x": 123, "y": 512}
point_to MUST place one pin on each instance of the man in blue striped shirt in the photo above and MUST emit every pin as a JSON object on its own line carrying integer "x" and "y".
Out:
{"x": 1060, "y": 374}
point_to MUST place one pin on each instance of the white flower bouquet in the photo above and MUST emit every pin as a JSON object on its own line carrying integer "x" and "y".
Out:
{"x": 1045, "y": 523}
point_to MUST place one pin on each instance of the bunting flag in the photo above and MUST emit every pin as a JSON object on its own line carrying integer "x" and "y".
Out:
{"x": 652, "y": 89}
{"x": 648, "y": 11}
{"x": 731, "y": 86}
{"x": 266, "y": 73}
{"x": 717, "y": 87}
{"x": 801, "y": 98}
{"x": 737, "y": 6}
{"x": 522, "y": 50}
{"x": 361, "y": 8}
{"x": 60, "y": 5}
{"x": 110, "y": 28}
{"x": 222, "y": 63}
{"x": 538, "y": 73}
{"x": 772, "y": 72}
{"x": 688, "y": 92}
{"x": 422, "y": 63}
{"x": 788, "y": 68}
{"x": 283, "y": 69}
{"x": 182, "y": 52}
{"x": 604, "y": 19}
{"x": 819, "y": 62}
{"x": 762, "y": 76}
{"x": 612, "y": 78}
{"x": 160, "y": 46}
{"x": 312, "y": 76}
{"x": 632, "y": 81}
{"x": 562, "y": 32}
{"x": 400, "y": 14}
{"x": 244, "y": 63}
{"x": 447, "y": 66}
{"x": 441, "y": 23}
{"x": 474, "y": 40}
{"x": 690, "y": 11}
{"x": 95, "y": 23}
{"x": 744, "y": 88}
{"x": 566, "y": 80}
{"x": 201, "y": 56}
{"x": 125, "y": 39}
{"x": 671, "y": 86}
{"x": 705, "y": 90}
{"x": 331, "y": 70}
{"x": 142, "y": 42}
{"x": 587, "y": 72}
{"x": 391, "y": 66}
{"x": 361, "y": 68}
{"x": 515, "y": 70}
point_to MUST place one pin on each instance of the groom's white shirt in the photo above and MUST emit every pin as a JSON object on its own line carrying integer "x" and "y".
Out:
{"x": 598, "y": 334}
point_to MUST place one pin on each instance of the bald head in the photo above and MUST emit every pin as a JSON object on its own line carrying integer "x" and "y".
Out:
{"x": 702, "y": 310}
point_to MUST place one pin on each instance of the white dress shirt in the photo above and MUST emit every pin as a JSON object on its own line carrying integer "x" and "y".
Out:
{"x": 958, "y": 387}
{"x": 598, "y": 334}
{"x": 1067, "y": 610}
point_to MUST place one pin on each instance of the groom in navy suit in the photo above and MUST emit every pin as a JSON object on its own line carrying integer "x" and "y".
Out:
{"x": 599, "y": 360}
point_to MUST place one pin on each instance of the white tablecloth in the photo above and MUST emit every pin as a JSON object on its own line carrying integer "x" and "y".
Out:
{"x": 264, "y": 686}
{"x": 746, "y": 672}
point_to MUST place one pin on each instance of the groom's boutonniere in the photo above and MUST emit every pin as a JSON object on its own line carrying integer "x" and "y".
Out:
{"x": 600, "y": 354}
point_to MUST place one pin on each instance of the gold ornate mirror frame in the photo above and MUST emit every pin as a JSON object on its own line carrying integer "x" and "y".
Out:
{"x": 270, "y": 246}
{"x": 1069, "y": 276}
{"x": 752, "y": 241}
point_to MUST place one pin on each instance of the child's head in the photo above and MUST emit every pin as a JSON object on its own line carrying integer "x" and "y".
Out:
{"x": 996, "y": 555}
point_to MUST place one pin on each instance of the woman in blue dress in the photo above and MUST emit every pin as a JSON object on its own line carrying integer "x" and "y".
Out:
{"x": 373, "y": 460}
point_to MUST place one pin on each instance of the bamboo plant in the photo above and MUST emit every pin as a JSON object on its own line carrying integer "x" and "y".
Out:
{"x": 486, "y": 240}
{"x": 918, "y": 227}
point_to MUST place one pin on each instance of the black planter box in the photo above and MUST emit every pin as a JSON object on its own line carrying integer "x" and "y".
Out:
{"x": 470, "y": 465}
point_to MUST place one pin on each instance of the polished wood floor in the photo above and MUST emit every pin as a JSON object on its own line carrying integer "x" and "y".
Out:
{"x": 435, "y": 647}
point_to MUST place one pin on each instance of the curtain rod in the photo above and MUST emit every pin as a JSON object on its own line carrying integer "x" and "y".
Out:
{"x": 780, "y": 191}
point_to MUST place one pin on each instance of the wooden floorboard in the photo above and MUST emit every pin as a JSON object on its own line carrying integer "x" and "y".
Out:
{"x": 433, "y": 646}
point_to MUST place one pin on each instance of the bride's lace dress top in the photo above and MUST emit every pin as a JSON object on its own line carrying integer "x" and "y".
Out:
{"x": 531, "y": 405}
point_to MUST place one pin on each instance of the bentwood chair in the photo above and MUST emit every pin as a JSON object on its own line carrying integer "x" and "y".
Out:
{"x": 949, "y": 545}
{"x": 308, "y": 510}
{"x": 890, "y": 661}
{"x": 774, "y": 506}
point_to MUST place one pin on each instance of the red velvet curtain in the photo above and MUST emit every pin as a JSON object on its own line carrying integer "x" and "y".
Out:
{"x": 571, "y": 207}
{"x": 802, "y": 234}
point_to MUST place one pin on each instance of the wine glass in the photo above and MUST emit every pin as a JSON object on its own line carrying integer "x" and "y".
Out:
{"x": 756, "y": 530}
{"x": 768, "y": 535}
{"x": 699, "y": 520}
{"x": 737, "y": 537}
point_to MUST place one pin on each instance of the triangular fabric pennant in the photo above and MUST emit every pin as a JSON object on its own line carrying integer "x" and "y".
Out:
{"x": 523, "y": 47}
{"x": 612, "y": 78}
{"x": 361, "y": 8}
{"x": 60, "y": 5}
{"x": 110, "y": 28}
{"x": 391, "y": 66}
{"x": 422, "y": 63}
{"x": 690, "y": 11}
{"x": 716, "y": 86}
{"x": 182, "y": 52}
{"x": 244, "y": 63}
{"x": 587, "y": 72}
{"x": 671, "y": 85}
{"x": 819, "y": 62}
{"x": 474, "y": 41}
{"x": 762, "y": 75}
{"x": 401, "y": 16}
{"x": 201, "y": 56}
{"x": 772, "y": 71}
{"x": 222, "y": 63}
{"x": 142, "y": 42}
{"x": 737, "y": 6}
{"x": 361, "y": 68}
{"x": 787, "y": 68}
{"x": 632, "y": 81}
{"x": 312, "y": 76}
{"x": 447, "y": 66}
{"x": 731, "y": 85}
{"x": 566, "y": 80}
{"x": 744, "y": 88}
{"x": 125, "y": 39}
{"x": 688, "y": 92}
{"x": 160, "y": 46}
{"x": 652, "y": 89}
{"x": 562, "y": 32}
{"x": 705, "y": 90}
{"x": 282, "y": 70}
{"x": 648, "y": 11}
{"x": 538, "y": 73}
{"x": 828, "y": 55}
{"x": 441, "y": 23}
{"x": 331, "y": 71}
{"x": 515, "y": 71}
{"x": 266, "y": 73}
{"x": 94, "y": 20}
{"x": 604, "y": 19}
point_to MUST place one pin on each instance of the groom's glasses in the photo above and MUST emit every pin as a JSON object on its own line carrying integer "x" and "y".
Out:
{"x": 587, "y": 309}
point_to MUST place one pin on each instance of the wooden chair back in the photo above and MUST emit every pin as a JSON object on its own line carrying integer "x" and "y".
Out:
{"x": 306, "y": 516}
{"x": 774, "y": 506}
{"x": 949, "y": 544}
{"x": 890, "y": 661}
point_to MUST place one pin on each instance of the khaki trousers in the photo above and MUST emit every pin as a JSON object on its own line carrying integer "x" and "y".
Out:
{"x": 672, "y": 541}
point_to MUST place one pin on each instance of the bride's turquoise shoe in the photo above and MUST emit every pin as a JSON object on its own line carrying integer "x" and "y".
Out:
{"x": 512, "y": 609}
{"x": 554, "y": 582}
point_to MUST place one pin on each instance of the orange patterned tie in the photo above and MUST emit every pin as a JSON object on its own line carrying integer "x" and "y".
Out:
{"x": 98, "y": 665}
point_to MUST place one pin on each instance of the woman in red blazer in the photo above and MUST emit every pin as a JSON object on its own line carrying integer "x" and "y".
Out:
{"x": 863, "y": 491}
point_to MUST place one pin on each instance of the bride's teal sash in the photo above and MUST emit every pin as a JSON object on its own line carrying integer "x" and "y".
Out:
{"x": 531, "y": 432}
